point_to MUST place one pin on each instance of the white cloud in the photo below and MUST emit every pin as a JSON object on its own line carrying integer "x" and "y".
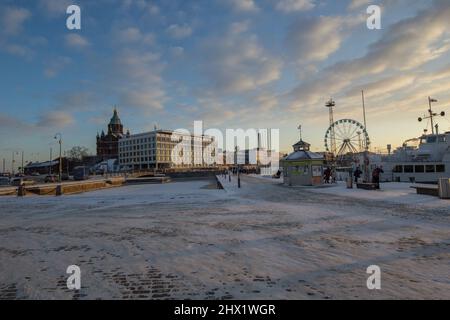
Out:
{"x": 59, "y": 119}
{"x": 236, "y": 63}
{"x": 55, "y": 66}
{"x": 312, "y": 39}
{"x": 179, "y": 31}
{"x": 294, "y": 5}
{"x": 243, "y": 5}
{"x": 132, "y": 34}
{"x": 357, "y": 4}
{"x": 12, "y": 20}
{"x": 137, "y": 77}
{"x": 76, "y": 41}
{"x": 405, "y": 46}
{"x": 54, "y": 8}
{"x": 177, "y": 51}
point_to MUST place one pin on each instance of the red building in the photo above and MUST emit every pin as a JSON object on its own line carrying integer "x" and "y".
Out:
{"x": 108, "y": 144}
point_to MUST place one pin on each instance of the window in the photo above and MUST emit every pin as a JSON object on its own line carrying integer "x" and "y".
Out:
{"x": 440, "y": 168}
{"x": 398, "y": 169}
{"x": 430, "y": 169}
{"x": 409, "y": 169}
{"x": 432, "y": 139}
{"x": 420, "y": 169}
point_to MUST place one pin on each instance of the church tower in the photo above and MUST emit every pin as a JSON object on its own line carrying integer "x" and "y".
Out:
{"x": 115, "y": 126}
{"x": 108, "y": 144}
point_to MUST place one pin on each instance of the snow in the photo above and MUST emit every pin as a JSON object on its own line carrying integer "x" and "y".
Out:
{"x": 393, "y": 192}
{"x": 188, "y": 240}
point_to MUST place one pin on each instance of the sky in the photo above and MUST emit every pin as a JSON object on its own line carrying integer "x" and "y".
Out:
{"x": 229, "y": 63}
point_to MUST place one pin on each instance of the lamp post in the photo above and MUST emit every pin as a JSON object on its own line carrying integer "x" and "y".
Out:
{"x": 58, "y": 137}
{"x": 12, "y": 163}
{"x": 23, "y": 169}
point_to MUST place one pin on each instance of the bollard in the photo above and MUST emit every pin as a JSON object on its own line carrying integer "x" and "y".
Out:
{"x": 444, "y": 188}
{"x": 59, "y": 190}
{"x": 349, "y": 183}
{"x": 21, "y": 191}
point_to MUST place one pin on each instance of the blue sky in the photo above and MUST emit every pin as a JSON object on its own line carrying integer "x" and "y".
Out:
{"x": 231, "y": 63}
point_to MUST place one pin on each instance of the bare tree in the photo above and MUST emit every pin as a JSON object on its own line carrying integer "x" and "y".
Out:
{"x": 78, "y": 152}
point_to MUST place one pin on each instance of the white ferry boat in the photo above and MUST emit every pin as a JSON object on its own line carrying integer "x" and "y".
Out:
{"x": 425, "y": 161}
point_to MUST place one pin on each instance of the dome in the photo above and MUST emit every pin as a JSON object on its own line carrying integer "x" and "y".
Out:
{"x": 115, "y": 120}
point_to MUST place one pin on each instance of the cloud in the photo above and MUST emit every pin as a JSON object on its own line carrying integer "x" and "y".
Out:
{"x": 55, "y": 66}
{"x": 139, "y": 82}
{"x": 176, "y": 51}
{"x": 74, "y": 40}
{"x": 17, "y": 50}
{"x": 179, "y": 31}
{"x": 237, "y": 63}
{"x": 143, "y": 5}
{"x": 134, "y": 35}
{"x": 357, "y": 4}
{"x": 53, "y": 8}
{"x": 55, "y": 119}
{"x": 12, "y": 20}
{"x": 288, "y": 6}
{"x": 243, "y": 5}
{"x": 406, "y": 45}
{"x": 312, "y": 39}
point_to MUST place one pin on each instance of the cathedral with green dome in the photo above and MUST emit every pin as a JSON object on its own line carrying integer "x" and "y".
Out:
{"x": 108, "y": 144}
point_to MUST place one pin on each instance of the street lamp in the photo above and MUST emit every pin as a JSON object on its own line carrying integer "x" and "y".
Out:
{"x": 58, "y": 137}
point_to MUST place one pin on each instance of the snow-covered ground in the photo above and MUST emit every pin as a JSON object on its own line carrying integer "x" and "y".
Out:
{"x": 189, "y": 240}
{"x": 400, "y": 193}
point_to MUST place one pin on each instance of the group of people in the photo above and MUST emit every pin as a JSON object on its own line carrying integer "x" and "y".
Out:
{"x": 376, "y": 173}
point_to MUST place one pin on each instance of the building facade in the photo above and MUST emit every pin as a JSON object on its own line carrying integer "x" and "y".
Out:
{"x": 164, "y": 149}
{"x": 108, "y": 144}
{"x": 303, "y": 167}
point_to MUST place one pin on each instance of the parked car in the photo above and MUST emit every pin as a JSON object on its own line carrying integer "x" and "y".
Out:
{"x": 35, "y": 174}
{"x": 80, "y": 173}
{"x": 16, "y": 182}
{"x": 50, "y": 178}
{"x": 4, "y": 181}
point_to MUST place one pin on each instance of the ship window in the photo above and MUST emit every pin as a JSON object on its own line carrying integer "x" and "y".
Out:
{"x": 409, "y": 169}
{"x": 398, "y": 169}
{"x": 430, "y": 169}
{"x": 431, "y": 139}
{"x": 420, "y": 169}
{"x": 440, "y": 168}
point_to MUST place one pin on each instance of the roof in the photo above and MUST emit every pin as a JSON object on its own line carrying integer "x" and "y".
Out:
{"x": 42, "y": 164}
{"x": 301, "y": 146}
{"x": 115, "y": 120}
{"x": 303, "y": 155}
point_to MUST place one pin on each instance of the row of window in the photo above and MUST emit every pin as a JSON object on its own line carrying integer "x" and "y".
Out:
{"x": 167, "y": 138}
{"x": 429, "y": 168}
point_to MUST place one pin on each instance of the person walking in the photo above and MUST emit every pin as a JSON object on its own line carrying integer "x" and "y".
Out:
{"x": 327, "y": 174}
{"x": 357, "y": 174}
{"x": 376, "y": 176}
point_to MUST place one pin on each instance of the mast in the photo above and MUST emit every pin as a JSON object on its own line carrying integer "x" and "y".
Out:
{"x": 330, "y": 105}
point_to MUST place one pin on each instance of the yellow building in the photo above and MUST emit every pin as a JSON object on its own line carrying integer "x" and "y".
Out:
{"x": 303, "y": 167}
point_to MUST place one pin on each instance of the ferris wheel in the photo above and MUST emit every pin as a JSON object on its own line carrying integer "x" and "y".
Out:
{"x": 345, "y": 137}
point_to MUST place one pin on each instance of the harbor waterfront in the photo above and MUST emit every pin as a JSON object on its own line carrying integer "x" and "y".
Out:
{"x": 259, "y": 152}
{"x": 262, "y": 241}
